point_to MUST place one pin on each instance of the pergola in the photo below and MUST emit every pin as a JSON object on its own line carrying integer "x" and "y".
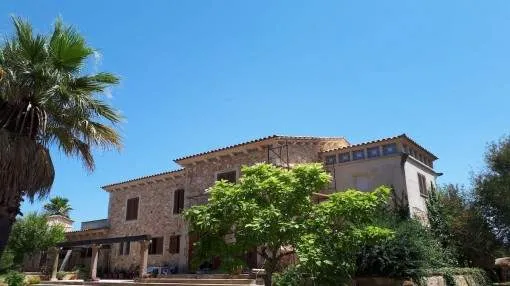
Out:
{"x": 95, "y": 244}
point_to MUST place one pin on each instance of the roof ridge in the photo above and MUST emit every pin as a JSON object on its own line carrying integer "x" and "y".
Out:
{"x": 274, "y": 136}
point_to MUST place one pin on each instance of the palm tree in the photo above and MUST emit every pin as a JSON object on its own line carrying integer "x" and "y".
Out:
{"x": 46, "y": 100}
{"x": 58, "y": 206}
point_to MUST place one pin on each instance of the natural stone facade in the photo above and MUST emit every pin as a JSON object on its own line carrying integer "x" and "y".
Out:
{"x": 155, "y": 193}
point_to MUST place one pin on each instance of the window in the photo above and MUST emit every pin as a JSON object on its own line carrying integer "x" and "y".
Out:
{"x": 132, "y": 209}
{"x": 330, "y": 160}
{"x": 124, "y": 248}
{"x": 178, "y": 201}
{"x": 344, "y": 157}
{"x": 423, "y": 185}
{"x": 389, "y": 149}
{"x": 373, "y": 152}
{"x": 358, "y": 155}
{"x": 156, "y": 246}
{"x": 230, "y": 176}
{"x": 175, "y": 244}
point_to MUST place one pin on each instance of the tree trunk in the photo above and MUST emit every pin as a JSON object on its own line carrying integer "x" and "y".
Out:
{"x": 9, "y": 208}
{"x": 269, "y": 267}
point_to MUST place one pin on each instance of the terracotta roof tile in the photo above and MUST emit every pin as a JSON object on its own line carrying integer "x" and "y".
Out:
{"x": 142, "y": 178}
{"x": 280, "y": 137}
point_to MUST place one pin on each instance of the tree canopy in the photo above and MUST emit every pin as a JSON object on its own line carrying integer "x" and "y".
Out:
{"x": 492, "y": 188}
{"x": 47, "y": 98}
{"x": 58, "y": 206}
{"x": 271, "y": 209}
{"x": 31, "y": 234}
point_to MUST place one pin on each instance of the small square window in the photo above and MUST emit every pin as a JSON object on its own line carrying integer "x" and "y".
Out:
{"x": 389, "y": 149}
{"x": 156, "y": 246}
{"x": 344, "y": 157}
{"x": 358, "y": 155}
{"x": 330, "y": 160}
{"x": 373, "y": 152}
{"x": 230, "y": 176}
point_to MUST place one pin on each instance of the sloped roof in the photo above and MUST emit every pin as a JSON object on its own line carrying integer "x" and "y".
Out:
{"x": 143, "y": 178}
{"x": 277, "y": 137}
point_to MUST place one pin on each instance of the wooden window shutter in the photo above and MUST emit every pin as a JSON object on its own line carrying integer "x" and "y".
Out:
{"x": 174, "y": 244}
{"x": 178, "y": 201}
{"x": 132, "y": 209}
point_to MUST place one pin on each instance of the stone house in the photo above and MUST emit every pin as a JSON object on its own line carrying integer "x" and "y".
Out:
{"x": 152, "y": 206}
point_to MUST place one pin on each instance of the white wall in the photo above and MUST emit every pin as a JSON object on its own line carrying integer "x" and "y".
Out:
{"x": 417, "y": 202}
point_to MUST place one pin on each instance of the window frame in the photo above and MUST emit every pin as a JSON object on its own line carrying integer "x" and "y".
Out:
{"x": 136, "y": 213}
{"x": 385, "y": 148}
{"x": 422, "y": 184}
{"x": 378, "y": 153}
{"x": 124, "y": 248}
{"x": 361, "y": 151}
{"x": 330, "y": 159}
{"x": 174, "y": 244}
{"x": 226, "y": 172}
{"x": 178, "y": 201}
{"x": 156, "y": 249}
{"x": 341, "y": 157}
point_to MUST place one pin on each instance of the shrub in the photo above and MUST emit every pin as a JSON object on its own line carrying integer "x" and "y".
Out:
{"x": 6, "y": 261}
{"x": 412, "y": 249}
{"x": 30, "y": 280}
{"x": 14, "y": 278}
{"x": 290, "y": 277}
{"x": 60, "y": 275}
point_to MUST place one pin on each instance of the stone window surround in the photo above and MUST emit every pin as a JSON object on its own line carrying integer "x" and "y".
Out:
{"x": 236, "y": 169}
{"x": 138, "y": 209}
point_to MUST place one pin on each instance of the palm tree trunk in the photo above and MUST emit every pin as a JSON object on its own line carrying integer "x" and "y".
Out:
{"x": 9, "y": 208}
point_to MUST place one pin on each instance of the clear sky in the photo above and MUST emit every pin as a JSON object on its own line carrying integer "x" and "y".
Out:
{"x": 203, "y": 74}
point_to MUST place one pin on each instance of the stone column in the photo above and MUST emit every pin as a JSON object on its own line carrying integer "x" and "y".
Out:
{"x": 54, "y": 268}
{"x": 93, "y": 262}
{"x": 144, "y": 256}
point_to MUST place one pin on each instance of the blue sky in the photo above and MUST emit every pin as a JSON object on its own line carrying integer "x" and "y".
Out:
{"x": 203, "y": 74}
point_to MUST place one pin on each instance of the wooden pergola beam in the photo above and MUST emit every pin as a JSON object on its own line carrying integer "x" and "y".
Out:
{"x": 104, "y": 240}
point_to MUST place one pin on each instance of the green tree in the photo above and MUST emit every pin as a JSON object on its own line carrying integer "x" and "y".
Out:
{"x": 457, "y": 221}
{"x": 267, "y": 209}
{"x": 337, "y": 230}
{"x": 47, "y": 99}
{"x": 32, "y": 234}
{"x": 492, "y": 189}
{"x": 58, "y": 206}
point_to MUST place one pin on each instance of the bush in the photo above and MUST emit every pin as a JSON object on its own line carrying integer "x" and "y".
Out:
{"x": 412, "y": 249}
{"x": 60, "y": 275}
{"x": 6, "y": 261}
{"x": 290, "y": 277}
{"x": 30, "y": 280}
{"x": 14, "y": 278}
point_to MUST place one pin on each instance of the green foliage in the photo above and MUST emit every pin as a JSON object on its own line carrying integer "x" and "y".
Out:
{"x": 410, "y": 250}
{"x": 337, "y": 230}
{"x": 267, "y": 208}
{"x": 14, "y": 278}
{"x": 31, "y": 234}
{"x": 60, "y": 275}
{"x": 292, "y": 276}
{"x": 457, "y": 222}
{"x": 58, "y": 206}
{"x": 492, "y": 189}
{"x": 6, "y": 261}
{"x": 31, "y": 280}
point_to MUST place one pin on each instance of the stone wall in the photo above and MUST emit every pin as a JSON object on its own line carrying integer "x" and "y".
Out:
{"x": 155, "y": 217}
